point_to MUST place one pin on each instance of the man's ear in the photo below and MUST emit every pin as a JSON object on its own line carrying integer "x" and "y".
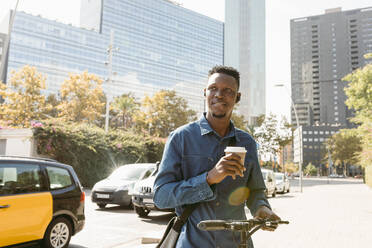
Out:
{"x": 237, "y": 98}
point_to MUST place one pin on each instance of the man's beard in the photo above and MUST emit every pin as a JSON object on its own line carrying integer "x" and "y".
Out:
{"x": 219, "y": 116}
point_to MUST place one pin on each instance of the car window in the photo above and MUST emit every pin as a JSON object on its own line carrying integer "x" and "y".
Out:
{"x": 19, "y": 179}
{"x": 147, "y": 173}
{"x": 264, "y": 174}
{"x": 128, "y": 172}
{"x": 58, "y": 177}
{"x": 279, "y": 177}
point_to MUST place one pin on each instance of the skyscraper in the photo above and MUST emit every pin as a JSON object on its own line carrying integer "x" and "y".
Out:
{"x": 162, "y": 46}
{"x": 244, "y": 49}
{"x": 324, "y": 49}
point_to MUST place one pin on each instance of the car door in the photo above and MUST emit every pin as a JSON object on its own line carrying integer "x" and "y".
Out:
{"x": 25, "y": 206}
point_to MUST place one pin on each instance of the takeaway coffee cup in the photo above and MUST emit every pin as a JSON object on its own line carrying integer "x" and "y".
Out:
{"x": 239, "y": 150}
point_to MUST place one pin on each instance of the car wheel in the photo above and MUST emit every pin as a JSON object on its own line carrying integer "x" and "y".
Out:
{"x": 274, "y": 193}
{"x": 58, "y": 234}
{"x": 101, "y": 205}
{"x": 288, "y": 190}
{"x": 142, "y": 212}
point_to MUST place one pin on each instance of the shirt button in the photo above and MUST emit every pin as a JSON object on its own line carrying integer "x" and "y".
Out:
{"x": 217, "y": 204}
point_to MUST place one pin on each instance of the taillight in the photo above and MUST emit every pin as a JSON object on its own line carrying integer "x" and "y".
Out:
{"x": 82, "y": 196}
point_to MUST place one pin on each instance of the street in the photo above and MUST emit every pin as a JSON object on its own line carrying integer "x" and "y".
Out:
{"x": 329, "y": 213}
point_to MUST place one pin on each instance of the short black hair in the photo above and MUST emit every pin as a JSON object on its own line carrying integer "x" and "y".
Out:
{"x": 226, "y": 70}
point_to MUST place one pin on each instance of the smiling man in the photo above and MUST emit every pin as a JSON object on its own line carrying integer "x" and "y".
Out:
{"x": 195, "y": 169}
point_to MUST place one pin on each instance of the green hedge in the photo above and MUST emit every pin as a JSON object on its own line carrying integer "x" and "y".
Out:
{"x": 93, "y": 153}
{"x": 368, "y": 175}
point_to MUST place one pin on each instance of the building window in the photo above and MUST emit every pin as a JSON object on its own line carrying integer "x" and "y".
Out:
{"x": 321, "y": 132}
{"x": 326, "y": 132}
{"x": 316, "y": 140}
{"x": 310, "y": 139}
{"x": 336, "y": 113}
{"x": 335, "y": 97}
{"x": 304, "y": 132}
{"x": 310, "y": 132}
{"x": 304, "y": 139}
{"x": 315, "y": 132}
{"x": 336, "y": 118}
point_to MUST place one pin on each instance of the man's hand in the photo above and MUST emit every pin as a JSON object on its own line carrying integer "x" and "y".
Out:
{"x": 229, "y": 165}
{"x": 264, "y": 212}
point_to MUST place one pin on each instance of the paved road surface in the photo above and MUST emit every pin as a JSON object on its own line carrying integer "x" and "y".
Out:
{"x": 329, "y": 213}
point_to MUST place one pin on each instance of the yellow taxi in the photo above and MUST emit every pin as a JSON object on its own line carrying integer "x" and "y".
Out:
{"x": 41, "y": 201}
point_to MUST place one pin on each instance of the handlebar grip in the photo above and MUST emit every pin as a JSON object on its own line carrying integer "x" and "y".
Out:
{"x": 212, "y": 225}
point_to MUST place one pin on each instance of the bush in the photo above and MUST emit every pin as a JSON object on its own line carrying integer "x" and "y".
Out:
{"x": 93, "y": 153}
{"x": 368, "y": 175}
{"x": 311, "y": 170}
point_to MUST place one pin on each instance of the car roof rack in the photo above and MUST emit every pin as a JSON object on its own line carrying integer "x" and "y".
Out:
{"x": 36, "y": 158}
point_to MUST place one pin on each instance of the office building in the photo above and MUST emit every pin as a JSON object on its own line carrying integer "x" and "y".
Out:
{"x": 161, "y": 46}
{"x": 324, "y": 49}
{"x": 244, "y": 49}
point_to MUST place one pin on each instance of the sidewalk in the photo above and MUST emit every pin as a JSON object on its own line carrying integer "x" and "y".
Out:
{"x": 334, "y": 213}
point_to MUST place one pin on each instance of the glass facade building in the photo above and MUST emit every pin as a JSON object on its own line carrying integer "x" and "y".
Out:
{"x": 245, "y": 50}
{"x": 161, "y": 46}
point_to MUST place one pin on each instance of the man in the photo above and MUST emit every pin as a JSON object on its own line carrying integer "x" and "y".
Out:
{"x": 195, "y": 169}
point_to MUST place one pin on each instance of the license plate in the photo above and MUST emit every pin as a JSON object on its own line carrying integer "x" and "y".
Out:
{"x": 147, "y": 200}
{"x": 104, "y": 196}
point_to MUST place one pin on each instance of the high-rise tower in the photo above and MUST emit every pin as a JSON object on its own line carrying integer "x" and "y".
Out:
{"x": 244, "y": 49}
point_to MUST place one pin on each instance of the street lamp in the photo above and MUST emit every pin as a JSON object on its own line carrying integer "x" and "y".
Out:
{"x": 297, "y": 128}
{"x": 4, "y": 56}
{"x": 109, "y": 79}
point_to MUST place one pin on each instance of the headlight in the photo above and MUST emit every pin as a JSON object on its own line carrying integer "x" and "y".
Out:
{"x": 123, "y": 187}
{"x": 134, "y": 191}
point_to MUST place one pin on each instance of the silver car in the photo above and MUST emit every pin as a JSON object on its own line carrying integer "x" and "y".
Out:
{"x": 142, "y": 196}
{"x": 282, "y": 183}
{"x": 114, "y": 189}
{"x": 270, "y": 184}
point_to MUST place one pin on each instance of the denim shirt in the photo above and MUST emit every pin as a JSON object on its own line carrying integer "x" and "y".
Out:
{"x": 190, "y": 152}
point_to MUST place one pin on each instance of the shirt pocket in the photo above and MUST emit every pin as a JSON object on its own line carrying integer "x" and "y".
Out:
{"x": 194, "y": 165}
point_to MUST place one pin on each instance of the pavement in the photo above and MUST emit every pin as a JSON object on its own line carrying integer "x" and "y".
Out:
{"x": 328, "y": 213}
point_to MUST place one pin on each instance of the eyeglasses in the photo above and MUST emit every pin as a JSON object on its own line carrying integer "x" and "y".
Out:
{"x": 223, "y": 92}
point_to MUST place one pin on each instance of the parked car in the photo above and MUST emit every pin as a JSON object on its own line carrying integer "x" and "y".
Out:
{"x": 41, "y": 201}
{"x": 269, "y": 179}
{"x": 282, "y": 182}
{"x": 114, "y": 189}
{"x": 143, "y": 194}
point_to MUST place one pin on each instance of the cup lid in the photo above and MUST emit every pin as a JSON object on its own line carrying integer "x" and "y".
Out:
{"x": 235, "y": 149}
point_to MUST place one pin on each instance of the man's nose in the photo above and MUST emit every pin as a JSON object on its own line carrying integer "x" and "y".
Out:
{"x": 219, "y": 93}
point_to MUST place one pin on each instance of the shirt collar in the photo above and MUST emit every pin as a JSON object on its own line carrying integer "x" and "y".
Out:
{"x": 205, "y": 128}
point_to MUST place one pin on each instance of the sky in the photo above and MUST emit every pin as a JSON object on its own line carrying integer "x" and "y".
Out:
{"x": 278, "y": 16}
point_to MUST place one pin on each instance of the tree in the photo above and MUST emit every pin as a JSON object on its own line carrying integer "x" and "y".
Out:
{"x": 310, "y": 169}
{"x": 52, "y": 101}
{"x": 23, "y": 101}
{"x": 125, "y": 106}
{"x": 359, "y": 93}
{"x": 163, "y": 113}
{"x": 344, "y": 148}
{"x": 239, "y": 121}
{"x": 290, "y": 167}
{"x": 272, "y": 135}
{"x": 81, "y": 98}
